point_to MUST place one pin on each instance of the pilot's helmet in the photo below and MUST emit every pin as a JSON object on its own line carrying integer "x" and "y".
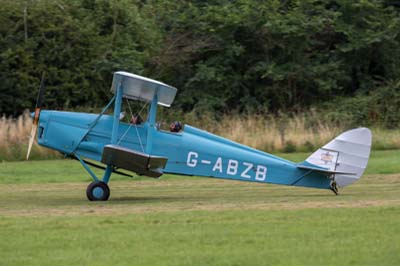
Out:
{"x": 175, "y": 126}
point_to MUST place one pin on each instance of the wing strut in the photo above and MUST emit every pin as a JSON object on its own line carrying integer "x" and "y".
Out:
{"x": 94, "y": 123}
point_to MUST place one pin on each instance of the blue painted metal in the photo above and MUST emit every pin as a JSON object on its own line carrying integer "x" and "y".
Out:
{"x": 95, "y": 122}
{"x": 87, "y": 168}
{"x": 197, "y": 152}
{"x": 301, "y": 177}
{"x": 117, "y": 111}
{"x": 191, "y": 152}
{"x": 98, "y": 192}
{"x": 151, "y": 124}
{"x": 107, "y": 173}
{"x": 115, "y": 129}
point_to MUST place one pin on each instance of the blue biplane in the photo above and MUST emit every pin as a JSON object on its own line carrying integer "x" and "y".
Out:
{"x": 146, "y": 149}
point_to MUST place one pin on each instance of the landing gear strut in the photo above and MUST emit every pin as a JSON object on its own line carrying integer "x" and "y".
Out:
{"x": 98, "y": 191}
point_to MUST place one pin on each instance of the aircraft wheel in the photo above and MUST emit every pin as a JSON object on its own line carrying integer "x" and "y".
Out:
{"x": 98, "y": 191}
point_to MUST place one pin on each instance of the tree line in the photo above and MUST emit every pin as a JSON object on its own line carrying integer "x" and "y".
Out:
{"x": 247, "y": 56}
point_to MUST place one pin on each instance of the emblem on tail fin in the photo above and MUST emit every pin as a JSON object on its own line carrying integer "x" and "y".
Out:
{"x": 326, "y": 157}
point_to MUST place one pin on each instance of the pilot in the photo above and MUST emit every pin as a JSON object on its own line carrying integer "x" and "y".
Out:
{"x": 175, "y": 126}
{"x": 136, "y": 119}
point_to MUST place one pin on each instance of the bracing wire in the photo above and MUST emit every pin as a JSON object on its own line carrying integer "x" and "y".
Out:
{"x": 130, "y": 125}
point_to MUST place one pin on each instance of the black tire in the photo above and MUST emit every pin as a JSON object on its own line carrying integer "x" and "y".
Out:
{"x": 98, "y": 191}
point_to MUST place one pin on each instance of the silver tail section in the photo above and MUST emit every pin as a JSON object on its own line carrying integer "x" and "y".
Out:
{"x": 344, "y": 158}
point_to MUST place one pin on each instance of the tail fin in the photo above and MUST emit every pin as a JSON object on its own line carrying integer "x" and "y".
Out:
{"x": 345, "y": 157}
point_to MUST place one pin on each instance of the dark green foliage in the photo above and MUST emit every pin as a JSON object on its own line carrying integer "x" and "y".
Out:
{"x": 380, "y": 107}
{"x": 224, "y": 56}
{"x": 77, "y": 43}
{"x": 269, "y": 56}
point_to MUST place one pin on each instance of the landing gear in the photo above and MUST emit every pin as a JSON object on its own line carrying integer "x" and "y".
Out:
{"x": 98, "y": 191}
{"x": 334, "y": 188}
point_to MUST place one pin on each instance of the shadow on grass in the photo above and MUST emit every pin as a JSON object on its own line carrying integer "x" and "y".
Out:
{"x": 134, "y": 199}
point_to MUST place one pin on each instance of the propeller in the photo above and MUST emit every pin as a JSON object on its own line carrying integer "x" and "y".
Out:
{"x": 36, "y": 116}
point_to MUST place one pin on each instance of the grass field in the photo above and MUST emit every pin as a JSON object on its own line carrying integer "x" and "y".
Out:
{"x": 45, "y": 219}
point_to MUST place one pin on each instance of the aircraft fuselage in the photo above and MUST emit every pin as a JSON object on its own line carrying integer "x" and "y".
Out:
{"x": 190, "y": 152}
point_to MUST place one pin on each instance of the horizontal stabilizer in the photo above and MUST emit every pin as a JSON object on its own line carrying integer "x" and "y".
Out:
{"x": 306, "y": 166}
{"x": 140, "y": 163}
